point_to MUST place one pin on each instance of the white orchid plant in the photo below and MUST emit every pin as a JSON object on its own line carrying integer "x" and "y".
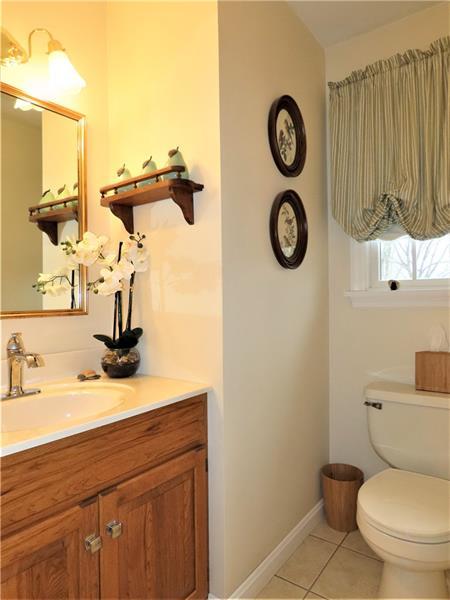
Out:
{"x": 116, "y": 272}
{"x": 59, "y": 282}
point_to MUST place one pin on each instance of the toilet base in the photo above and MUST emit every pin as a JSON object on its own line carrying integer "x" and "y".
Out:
{"x": 397, "y": 583}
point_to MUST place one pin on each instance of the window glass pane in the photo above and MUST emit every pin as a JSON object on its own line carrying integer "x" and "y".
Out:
{"x": 433, "y": 258}
{"x": 396, "y": 259}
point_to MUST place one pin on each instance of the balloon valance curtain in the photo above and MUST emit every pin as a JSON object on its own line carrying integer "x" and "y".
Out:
{"x": 390, "y": 146}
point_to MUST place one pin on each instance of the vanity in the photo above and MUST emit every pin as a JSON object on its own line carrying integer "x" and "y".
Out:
{"x": 108, "y": 505}
{"x": 104, "y": 483}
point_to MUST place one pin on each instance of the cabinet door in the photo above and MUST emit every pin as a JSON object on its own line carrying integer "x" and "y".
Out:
{"x": 161, "y": 524}
{"x": 49, "y": 560}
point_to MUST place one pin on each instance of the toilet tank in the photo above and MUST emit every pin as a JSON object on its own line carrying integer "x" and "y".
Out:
{"x": 410, "y": 429}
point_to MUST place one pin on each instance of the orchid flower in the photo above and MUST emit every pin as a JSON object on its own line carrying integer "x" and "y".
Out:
{"x": 116, "y": 270}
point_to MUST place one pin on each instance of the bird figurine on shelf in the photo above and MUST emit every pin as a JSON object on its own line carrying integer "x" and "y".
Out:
{"x": 74, "y": 203}
{"x": 63, "y": 193}
{"x": 123, "y": 173}
{"x": 176, "y": 159}
{"x": 47, "y": 196}
{"x": 148, "y": 166}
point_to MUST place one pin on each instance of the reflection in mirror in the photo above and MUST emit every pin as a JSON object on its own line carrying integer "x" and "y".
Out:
{"x": 42, "y": 204}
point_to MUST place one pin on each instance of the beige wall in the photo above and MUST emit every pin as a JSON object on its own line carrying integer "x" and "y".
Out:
{"x": 364, "y": 342}
{"x": 21, "y": 246}
{"x": 163, "y": 91}
{"x": 152, "y": 73}
{"x": 275, "y": 320}
{"x": 179, "y": 301}
{"x": 88, "y": 53}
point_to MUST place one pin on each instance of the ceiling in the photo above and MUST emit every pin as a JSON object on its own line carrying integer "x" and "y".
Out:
{"x": 333, "y": 22}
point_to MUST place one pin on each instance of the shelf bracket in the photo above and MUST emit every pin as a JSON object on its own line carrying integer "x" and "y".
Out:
{"x": 185, "y": 200}
{"x": 51, "y": 229}
{"x": 125, "y": 214}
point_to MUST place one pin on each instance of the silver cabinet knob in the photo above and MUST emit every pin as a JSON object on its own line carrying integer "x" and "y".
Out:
{"x": 93, "y": 543}
{"x": 114, "y": 529}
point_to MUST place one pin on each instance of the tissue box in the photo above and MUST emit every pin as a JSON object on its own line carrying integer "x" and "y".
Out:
{"x": 433, "y": 371}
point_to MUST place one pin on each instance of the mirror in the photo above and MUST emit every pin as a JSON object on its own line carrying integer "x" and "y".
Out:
{"x": 43, "y": 202}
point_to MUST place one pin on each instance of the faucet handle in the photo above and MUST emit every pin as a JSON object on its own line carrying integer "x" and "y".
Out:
{"x": 15, "y": 343}
{"x": 34, "y": 360}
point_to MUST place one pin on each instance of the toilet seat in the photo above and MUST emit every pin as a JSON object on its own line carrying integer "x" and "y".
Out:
{"x": 418, "y": 556}
{"x": 407, "y": 506}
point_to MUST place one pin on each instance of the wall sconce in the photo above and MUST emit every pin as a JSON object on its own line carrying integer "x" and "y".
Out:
{"x": 12, "y": 52}
{"x": 62, "y": 77}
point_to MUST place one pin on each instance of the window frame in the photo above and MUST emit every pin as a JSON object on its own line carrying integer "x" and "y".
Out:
{"x": 366, "y": 291}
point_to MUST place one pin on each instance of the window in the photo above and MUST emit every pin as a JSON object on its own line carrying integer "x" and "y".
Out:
{"x": 408, "y": 260}
{"x": 422, "y": 269}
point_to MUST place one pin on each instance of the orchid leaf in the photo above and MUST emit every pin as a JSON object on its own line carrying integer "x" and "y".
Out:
{"x": 109, "y": 343}
{"x": 128, "y": 339}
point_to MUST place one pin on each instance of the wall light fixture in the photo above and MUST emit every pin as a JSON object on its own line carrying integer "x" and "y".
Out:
{"x": 62, "y": 77}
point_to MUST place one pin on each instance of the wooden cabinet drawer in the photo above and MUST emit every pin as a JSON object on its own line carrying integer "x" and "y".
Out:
{"x": 44, "y": 480}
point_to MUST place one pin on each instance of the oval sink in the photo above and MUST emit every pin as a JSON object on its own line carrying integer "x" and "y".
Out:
{"x": 61, "y": 404}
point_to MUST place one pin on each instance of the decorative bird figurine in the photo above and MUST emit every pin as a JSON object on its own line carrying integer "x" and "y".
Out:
{"x": 74, "y": 202}
{"x": 47, "y": 196}
{"x": 176, "y": 159}
{"x": 148, "y": 166}
{"x": 63, "y": 192}
{"x": 123, "y": 173}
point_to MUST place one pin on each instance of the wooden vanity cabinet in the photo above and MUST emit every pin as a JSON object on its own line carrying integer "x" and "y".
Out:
{"x": 48, "y": 559}
{"x": 162, "y": 552}
{"x": 142, "y": 536}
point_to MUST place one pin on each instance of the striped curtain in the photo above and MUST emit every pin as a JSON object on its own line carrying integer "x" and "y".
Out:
{"x": 390, "y": 146}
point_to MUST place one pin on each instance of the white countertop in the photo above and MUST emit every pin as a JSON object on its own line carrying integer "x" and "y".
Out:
{"x": 148, "y": 393}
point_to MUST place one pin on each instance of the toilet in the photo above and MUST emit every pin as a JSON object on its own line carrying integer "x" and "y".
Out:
{"x": 403, "y": 512}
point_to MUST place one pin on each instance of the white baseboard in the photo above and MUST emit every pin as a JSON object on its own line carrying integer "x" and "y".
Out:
{"x": 255, "y": 582}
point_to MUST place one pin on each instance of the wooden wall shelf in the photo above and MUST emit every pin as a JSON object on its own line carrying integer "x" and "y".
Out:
{"x": 121, "y": 203}
{"x": 47, "y": 220}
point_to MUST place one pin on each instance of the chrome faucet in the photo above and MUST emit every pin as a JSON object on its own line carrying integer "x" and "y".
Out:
{"x": 17, "y": 356}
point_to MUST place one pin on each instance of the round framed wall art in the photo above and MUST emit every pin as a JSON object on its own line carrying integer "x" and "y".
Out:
{"x": 289, "y": 229}
{"x": 287, "y": 136}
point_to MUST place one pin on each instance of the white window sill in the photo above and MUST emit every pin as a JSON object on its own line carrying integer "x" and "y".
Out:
{"x": 406, "y": 298}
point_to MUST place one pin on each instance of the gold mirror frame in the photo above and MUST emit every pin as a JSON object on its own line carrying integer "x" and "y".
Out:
{"x": 82, "y": 212}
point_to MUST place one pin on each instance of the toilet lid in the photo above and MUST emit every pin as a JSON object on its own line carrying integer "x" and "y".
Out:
{"x": 409, "y": 506}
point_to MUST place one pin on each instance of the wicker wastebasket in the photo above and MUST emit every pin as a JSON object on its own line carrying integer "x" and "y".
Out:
{"x": 340, "y": 485}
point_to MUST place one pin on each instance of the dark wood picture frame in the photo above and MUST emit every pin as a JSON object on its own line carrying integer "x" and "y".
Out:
{"x": 288, "y": 104}
{"x": 293, "y": 199}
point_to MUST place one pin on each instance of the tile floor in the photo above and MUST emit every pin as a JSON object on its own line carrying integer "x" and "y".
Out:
{"x": 331, "y": 565}
{"x": 328, "y": 564}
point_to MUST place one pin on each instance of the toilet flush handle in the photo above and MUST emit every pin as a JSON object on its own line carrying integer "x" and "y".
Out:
{"x": 376, "y": 405}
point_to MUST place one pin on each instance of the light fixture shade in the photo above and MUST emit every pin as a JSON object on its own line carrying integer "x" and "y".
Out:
{"x": 64, "y": 79}
{"x": 26, "y": 106}
{"x": 33, "y": 77}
